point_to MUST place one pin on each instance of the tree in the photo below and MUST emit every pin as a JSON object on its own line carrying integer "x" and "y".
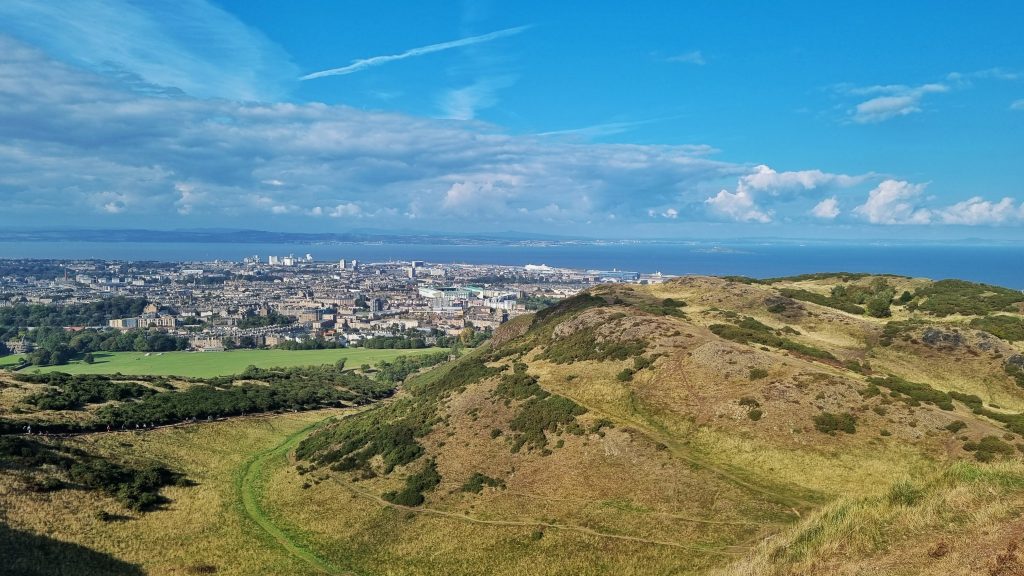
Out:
{"x": 89, "y": 358}
{"x": 466, "y": 335}
{"x": 340, "y": 364}
{"x": 878, "y": 307}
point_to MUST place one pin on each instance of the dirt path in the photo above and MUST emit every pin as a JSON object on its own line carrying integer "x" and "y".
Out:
{"x": 534, "y": 524}
{"x": 249, "y": 491}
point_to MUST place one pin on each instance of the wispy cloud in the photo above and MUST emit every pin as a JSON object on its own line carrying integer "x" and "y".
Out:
{"x": 359, "y": 65}
{"x": 888, "y": 101}
{"x": 691, "y": 57}
{"x": 611, "y": 128}
{"x": 190, "y": 45}
{"x": 1017, "y": 105}
{"x": 891, "y": 101}
{"x": 464, "y": 103}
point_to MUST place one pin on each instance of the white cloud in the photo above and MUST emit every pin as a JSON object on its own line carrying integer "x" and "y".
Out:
{"x": 1017, "y": 104}
{"x": 827, "y": 208}
{"x": 765, "y": 178}
{"x": 347, "y": 209}
{"x": 671, "y": 213}
{"x": 895, "y": 202}
{"x": 742, "y": 205}
{"x": 191, "y": 45}
{"x": 900, "y": 202}
{"x": 893, "y": 101}
{"x": 691, "y": 57}
{"x": 464, "y": 103}
{"x": 978, "y": 211}
{"x": 738, "y": 206}
{"x": 365, "y": 63}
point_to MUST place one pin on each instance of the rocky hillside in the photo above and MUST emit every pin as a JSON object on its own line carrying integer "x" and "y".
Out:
{"x": 823, "y": 424}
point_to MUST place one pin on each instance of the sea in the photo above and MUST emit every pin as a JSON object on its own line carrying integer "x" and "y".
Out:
{"x": 999, "y": 264}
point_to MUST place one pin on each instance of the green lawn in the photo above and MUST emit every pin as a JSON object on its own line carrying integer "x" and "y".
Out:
{"x": 205, "y": 364}
{"x": 10, "y": 360}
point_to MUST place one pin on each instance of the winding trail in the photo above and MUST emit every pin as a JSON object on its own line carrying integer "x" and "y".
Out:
{"x": 726, "y": 551}
{"x": 249, "y": 490}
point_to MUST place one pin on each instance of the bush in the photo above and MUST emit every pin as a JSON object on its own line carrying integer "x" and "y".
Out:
{"x": 584, "y": 345}
{"x": 1009, "y": 328}
{"x": 947, "y": 297}
{"x": 415, "y": 485}
{"x": 477, "y": 481}
{"x": 747, "y": 335}
{"x": 755, "y": 414}
{"x": 956, "y": 426}
{"x": 913, "y": 393}
{"x": 831, "y": 423}
{"x": 757, "y": 373}
{"x": 904, "y": 493}
{"x": 821, "y": 300}
{"x": 989, "y": 448}
{"x": 539, "y": 415}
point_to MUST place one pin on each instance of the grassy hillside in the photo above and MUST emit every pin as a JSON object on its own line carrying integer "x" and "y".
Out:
{"x": 204, "y": 529}
{"x": 208, "y": 364}
{"x": 822, "y": 424}
{"x": 698, "y": 426}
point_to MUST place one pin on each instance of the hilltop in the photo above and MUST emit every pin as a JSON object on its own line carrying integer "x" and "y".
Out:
{"x": 821, "y": 424}
{"x": 824, "y": 423}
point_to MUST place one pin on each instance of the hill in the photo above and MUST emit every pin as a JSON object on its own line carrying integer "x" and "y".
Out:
{"x": 821, "y": 424}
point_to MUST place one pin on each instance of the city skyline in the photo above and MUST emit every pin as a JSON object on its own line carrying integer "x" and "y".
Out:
{"x": 650, "y": 121}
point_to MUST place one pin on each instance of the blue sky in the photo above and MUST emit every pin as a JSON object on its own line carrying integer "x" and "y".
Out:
{"x": 609, "y": 119}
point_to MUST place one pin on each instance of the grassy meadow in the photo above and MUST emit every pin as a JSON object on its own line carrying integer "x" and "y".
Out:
{"x": 208, "y": 364}
{"x": 204, "y": 530}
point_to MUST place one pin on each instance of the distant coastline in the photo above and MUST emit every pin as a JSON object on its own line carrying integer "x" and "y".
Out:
{"x": 1000, "y": 264}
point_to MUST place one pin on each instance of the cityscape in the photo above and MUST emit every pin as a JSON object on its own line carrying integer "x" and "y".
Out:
{"x": 265, "y": 302}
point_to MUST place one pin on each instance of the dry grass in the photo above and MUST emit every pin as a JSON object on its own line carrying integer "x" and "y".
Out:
{"x": 202, "y": 526}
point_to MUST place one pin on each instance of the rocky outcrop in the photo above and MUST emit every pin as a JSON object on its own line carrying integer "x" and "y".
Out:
{"x": 937, "y": 337}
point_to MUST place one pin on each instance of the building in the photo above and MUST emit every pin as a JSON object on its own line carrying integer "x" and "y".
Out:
{"x": 124, "y": 323}
{"x": 19, "y": 346}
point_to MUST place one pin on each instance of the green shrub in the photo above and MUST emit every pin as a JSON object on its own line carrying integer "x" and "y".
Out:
{"x": 956, "y": 426}
{"x": 584, "y": 345}
{"x": 913, "y": 393}
{"x": 1015, "y": 372}
{"x": 755, "y": 414}
{"x": 477, "y": 481}
{"x": 821, "y": 300}
{"x": 947, "y": 297}
{"x": 415, "y": 485}
{"x": 989, "y": 448}
{"x": 1009, "y": 328}
{"x": 625, "y": 375}
{"x": 757, "y": 336}
{"x": 757, "y": 373}
{"x": 831, "y": 423}
{"x": 539, "y": 415}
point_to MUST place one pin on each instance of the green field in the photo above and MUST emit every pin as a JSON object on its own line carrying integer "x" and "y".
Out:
{"x": 206, "y": 364}
{"x": 11, "y": 360}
